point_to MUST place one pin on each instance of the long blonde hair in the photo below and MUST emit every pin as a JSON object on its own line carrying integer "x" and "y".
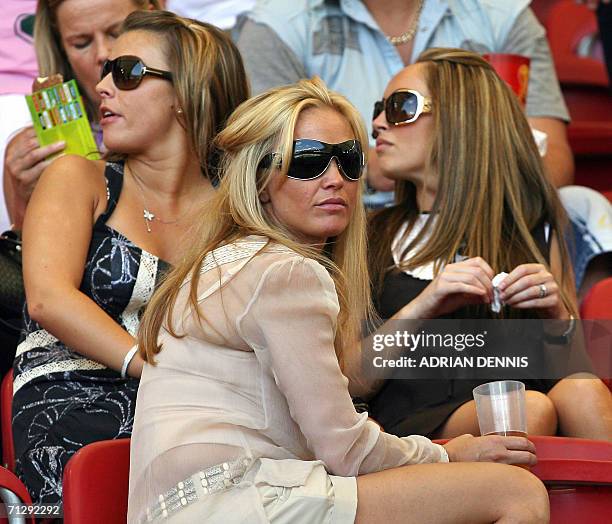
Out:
{"x": 50, "y": 52}
{"x": 492, "y": 188}
{"x": 208, "y": 76}
{"x": 262, "y": 125}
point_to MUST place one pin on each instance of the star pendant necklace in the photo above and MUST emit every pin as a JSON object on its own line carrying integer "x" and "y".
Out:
{"x": 148, "y": 215}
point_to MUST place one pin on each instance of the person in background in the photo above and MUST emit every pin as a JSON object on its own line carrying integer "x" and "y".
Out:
{"x": 98, "y": 235}
{"x": 592, "y": 224}
{"x": 73, "y": 38}
{"x": 357, "y": 46}
{"x": 243, "y": 413}
{"x": 222, "y": 13}
{"x": 472, "y": 201}
{"x": 17, "y": 71}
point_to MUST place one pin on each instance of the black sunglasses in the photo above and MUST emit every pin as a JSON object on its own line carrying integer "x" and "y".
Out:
{"x": 402, "y": 106}
{"x": 128, "y": 71}
{"x": 311, "y": 158}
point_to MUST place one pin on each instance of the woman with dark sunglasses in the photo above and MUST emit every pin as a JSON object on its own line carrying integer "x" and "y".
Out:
{"x": 472, "y": 202}
{"x": 243, "y": 411}
{"x": 99, "y": 234}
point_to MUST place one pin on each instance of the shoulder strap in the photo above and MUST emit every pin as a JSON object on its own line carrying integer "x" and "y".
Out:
{"x": 113, "y": 173}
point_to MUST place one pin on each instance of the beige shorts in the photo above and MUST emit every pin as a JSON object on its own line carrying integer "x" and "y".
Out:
{"x": 276, "y": 491}
{"x": 322, "y": 498}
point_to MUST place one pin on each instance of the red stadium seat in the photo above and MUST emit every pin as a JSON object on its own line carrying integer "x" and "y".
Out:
{"x": 553, "y": 448}
{"x": 6, "y": 421}
{"x": 584, "y": 83}
{"x": 597, "y": 305}
{"x": 95, "y": 484}
{"x": 12, "y": 491}
{"x": 566, "y": 25}
{"x": 578, "y": 475}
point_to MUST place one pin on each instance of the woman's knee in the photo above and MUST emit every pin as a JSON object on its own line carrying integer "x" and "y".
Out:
{"x": 529, "y": 503}
{"x": 578, "y": 388}
{"x": 541, "y": 414}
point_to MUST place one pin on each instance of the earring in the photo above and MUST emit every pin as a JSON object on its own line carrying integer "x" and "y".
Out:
{"x": 179, "y": 111}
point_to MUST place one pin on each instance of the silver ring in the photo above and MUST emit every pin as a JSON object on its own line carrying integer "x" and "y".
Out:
{"x": 543, "y": 291}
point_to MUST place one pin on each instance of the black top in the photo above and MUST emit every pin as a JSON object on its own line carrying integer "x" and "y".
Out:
{"x": 406, "y": 407}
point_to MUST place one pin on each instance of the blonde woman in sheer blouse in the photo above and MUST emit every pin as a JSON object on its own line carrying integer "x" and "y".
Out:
{"x": 243, "y": 412}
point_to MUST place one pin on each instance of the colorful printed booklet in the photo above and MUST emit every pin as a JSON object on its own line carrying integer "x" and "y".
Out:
{"x": 58, "y": 113}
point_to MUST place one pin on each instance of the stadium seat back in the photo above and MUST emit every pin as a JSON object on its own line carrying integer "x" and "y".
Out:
{"x": 95, "y": 486}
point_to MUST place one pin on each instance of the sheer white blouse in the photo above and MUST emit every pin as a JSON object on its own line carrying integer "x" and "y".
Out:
{"x": 256, "y": 377}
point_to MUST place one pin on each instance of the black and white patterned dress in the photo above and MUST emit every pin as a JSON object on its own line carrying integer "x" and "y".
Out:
{"x": 62, "y": 400}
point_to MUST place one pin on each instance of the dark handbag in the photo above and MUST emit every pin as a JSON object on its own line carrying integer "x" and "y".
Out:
{"x": 12, "y": 293}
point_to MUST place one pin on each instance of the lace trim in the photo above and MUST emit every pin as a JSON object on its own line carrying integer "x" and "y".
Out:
{"x": 232, "y": 252}
{"x": 55, "y": 367}
{"x": 36, "y": 339}
{"x": 205, "y": 482}
{"x": 244, "y": 250}
{"x": 142, "y": 292}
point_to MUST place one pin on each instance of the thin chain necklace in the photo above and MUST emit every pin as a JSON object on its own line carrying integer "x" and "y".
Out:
{"x": 146, "y": 213}
{"x": 406, "y": 37}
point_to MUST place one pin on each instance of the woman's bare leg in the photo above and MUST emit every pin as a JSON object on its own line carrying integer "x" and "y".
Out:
{"x": 541, "y": 414}
{"x": 584, "y": 408}
{"x": 541, "y": 418}
{"x": 454, "y": 493}
{"x": 463, "y": 420}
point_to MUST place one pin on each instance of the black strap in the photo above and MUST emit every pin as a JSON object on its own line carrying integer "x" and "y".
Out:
{"x": 113, "y": 173}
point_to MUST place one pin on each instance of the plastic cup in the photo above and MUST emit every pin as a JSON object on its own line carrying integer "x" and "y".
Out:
{"x": 501, "y": 408}
{"x": 514, "y": 69}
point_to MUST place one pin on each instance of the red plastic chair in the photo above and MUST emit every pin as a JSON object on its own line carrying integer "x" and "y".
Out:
{"x": 95, "y": 484}
{"x": 6, "y": 421}
{"x": 555, "y": 448}
{"x": 567, "y": 23}
{"x": 578, "y": 476}
{"x": 584, "y": 82}
{"x": 597, "y": 305}
{"x": 13, "y": 491}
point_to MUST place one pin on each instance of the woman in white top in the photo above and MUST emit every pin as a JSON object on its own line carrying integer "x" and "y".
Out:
{"x": 243, "y": 412}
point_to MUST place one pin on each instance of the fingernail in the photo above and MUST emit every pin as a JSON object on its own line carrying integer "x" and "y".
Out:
{"x": 61, "y": 143}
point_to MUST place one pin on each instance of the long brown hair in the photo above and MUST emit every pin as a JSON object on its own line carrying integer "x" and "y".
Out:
{"x": 492, "y": 188}
{"x": 262, "y": 125}
{"x": 50, "y": 52}
{"x": 208, "y": 75}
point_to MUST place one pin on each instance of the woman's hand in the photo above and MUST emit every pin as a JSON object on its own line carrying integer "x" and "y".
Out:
{"x": 461, "y": 284}
{"x": 491, "y": 448}
{"x": 24, "y": 162}
{"x": 532, "y": 286}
